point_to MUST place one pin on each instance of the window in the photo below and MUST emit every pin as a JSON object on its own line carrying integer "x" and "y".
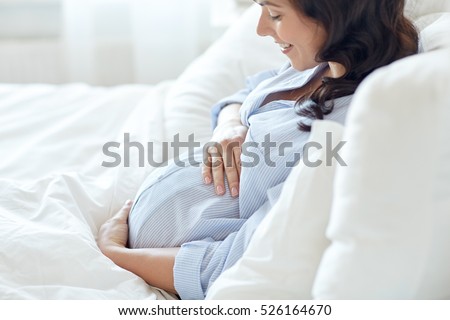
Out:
{"x": 30, "y": 18}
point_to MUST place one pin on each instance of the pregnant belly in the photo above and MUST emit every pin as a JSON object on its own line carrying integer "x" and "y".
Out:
{"x": 174, "y": 206}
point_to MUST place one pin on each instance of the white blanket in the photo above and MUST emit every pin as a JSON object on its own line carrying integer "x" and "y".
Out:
{"x": 55, "y": 193}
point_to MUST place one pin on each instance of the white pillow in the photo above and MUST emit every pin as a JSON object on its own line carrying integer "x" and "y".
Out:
{"x": 419, "y": 8}
{"x": 437, "y": 34}
{"x": 285, "y": 251}
{"x": 391, "y": 212}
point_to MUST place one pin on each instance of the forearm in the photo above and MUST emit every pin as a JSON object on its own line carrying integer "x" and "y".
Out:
{"x": 154, "y": 265}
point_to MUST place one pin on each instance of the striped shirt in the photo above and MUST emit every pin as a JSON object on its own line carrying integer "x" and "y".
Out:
{"x": 174, "y": 208}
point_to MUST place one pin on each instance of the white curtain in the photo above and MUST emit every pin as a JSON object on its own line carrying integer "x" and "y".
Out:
{"x": 142, "y": 41}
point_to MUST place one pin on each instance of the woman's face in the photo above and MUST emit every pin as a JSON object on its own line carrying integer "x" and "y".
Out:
{"x": 298, "y": 36}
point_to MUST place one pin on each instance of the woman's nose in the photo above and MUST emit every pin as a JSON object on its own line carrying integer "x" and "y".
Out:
{"x": 264, "y": 27}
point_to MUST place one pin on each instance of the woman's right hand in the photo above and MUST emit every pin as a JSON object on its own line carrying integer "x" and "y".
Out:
{"x": 224, "y": 156}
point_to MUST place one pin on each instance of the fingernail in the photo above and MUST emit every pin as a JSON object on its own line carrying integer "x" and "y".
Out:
{"x": 234, "y": 192}
{"x": 207, "y": 180}
{"x": 220, "y": 190}
{"x": 128, "y": 202}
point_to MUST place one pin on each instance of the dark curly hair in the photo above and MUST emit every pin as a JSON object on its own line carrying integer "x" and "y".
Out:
{"x": 363, "y": 35}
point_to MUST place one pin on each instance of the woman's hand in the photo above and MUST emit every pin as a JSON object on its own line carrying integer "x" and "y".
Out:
{"x": 154, "y": 265}
{"x": 114, "y": 232}
{"x": 225, "y": 157}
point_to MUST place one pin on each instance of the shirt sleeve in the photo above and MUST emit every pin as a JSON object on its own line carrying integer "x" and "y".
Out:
{"x": 239, "y": 97}
{"x": 199, "y": 263}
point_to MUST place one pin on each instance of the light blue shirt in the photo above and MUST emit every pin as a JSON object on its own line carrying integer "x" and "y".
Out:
{"x": 175, "y": 208}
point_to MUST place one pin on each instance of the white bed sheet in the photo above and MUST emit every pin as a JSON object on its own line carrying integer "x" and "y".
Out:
{"x": 54, "y": 193}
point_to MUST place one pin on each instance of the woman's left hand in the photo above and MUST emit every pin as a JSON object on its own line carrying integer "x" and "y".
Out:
{"x": 114, "y": 232}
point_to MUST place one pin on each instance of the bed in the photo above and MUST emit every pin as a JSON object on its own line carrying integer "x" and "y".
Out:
{"x": 55, "y": 190}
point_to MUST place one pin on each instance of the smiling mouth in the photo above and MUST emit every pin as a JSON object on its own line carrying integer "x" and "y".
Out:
{"x": 285, "y": 47}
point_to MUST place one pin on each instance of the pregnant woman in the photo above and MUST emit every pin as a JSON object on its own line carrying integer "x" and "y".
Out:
{"x": 189, "y": 224}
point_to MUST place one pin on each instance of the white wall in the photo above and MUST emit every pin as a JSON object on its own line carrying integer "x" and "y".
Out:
{"x": 30, "y": 50}
{"x": 106, "y": 42}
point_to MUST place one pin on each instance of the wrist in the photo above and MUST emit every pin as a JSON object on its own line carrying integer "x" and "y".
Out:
{"x": 230, "y": 122}
{"x": 112, "y": 250}
{"x": 231, "y": 113}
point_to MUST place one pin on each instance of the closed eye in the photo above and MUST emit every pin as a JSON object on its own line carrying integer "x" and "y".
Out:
{"x": 275, "y": 18}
